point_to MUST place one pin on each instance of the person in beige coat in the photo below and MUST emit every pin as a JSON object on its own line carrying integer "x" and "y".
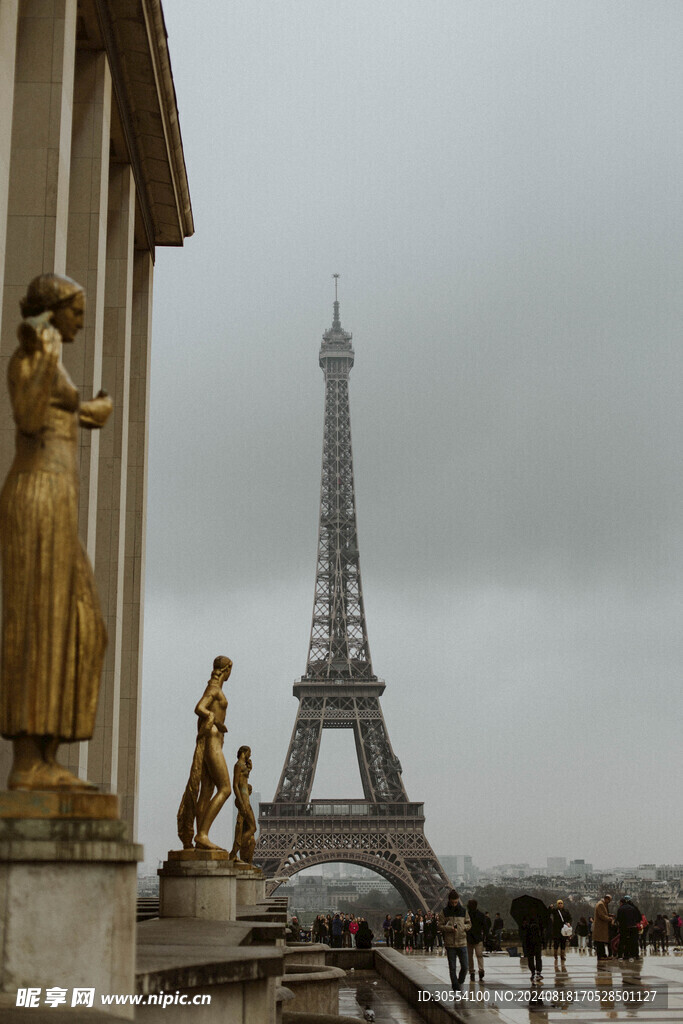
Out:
{"x": 454, "y": 924}
{"x": 601, "y": 927}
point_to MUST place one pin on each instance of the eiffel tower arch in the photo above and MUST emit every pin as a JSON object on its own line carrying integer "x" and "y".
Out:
{"x": 339, "y": 690}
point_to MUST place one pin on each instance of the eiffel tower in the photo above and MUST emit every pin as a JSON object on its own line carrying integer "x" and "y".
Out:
{"x": 385, "y": 830}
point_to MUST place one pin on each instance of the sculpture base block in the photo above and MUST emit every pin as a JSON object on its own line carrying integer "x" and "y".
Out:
{"x": 243, "y": 866}
{"x": 202, "y": 887}
{"x": 43, "y": 803}
{"x": 67, "y": 907}
{"x": 198, "y": 855}
{"x": 251, "y": 886}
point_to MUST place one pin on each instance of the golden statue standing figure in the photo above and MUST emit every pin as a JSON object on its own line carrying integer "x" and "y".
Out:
{"x": 209, "y": 784}
{"x": 53, "y": 633}
{"x": 245, "y": 826}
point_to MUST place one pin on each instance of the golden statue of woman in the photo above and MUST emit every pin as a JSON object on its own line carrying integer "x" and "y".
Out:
{"x": 53, "y": 633}
{"x": 209, "y": 784}
{"x": 245, "y": 826}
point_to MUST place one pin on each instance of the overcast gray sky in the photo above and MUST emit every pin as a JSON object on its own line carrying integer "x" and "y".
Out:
{"x": 499, "y": 184}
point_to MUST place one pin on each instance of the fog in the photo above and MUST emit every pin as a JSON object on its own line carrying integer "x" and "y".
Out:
{"x": 499, "y": 186}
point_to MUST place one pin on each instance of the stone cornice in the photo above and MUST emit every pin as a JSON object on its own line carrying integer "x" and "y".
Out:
{"x": 133, "y": 35}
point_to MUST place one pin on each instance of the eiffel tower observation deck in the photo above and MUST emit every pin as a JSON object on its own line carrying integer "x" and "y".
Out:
{"x": 339, "y": 690}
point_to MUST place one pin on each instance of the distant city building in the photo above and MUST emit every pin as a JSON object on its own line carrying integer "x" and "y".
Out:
{"x": 579, "y": 869}
{"x": 361, "y": 886}
{"x": 669, "y": 872}
{"x": 460, "y": 866}
{"x": 510, "y": 871}
{"x": 647, "y": 871}
{"x": 321, "y": 893}
{"x": 557, "y": 865}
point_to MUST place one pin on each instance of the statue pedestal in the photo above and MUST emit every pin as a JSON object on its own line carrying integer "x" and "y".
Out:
{"x": 251, "y": 885}
{"x": 67, "y": 897}
{"x": 198, "y": 883}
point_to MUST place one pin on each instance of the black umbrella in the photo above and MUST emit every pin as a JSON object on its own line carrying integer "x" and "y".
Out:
{"x": 529, "y": 907}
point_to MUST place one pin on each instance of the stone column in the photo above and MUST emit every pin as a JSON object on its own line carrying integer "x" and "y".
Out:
{"x": 38, "y": 189}
{"x": 103, "y": 750}
{"x": 136, "y": 517}
{"x": 38, "y": 197}
{"x": 9, "y": 18}
{"x": 86, "y": 262}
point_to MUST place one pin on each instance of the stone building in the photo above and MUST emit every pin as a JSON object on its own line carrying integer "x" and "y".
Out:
{"x": 92, "y": 180}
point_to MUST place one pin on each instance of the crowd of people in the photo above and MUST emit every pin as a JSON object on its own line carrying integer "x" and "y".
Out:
{"x": 625, "y": 934}
{"x": 409, "y": 932}
{"x": 420, "y": 932}
{"x": 340, "y": 931}
{"x": 463, "y": 933}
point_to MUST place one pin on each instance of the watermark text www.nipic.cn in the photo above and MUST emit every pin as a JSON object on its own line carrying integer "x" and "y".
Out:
{"x": 31, "y": 998}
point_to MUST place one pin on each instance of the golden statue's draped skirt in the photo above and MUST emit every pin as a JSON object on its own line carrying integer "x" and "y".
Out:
{"x": 53, "y": 635}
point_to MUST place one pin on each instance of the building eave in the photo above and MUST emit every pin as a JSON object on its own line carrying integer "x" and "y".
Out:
{"x": 133, "y": 33}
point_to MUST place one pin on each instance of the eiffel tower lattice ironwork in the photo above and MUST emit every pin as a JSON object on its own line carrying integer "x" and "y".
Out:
{"x": 384, "y": 831}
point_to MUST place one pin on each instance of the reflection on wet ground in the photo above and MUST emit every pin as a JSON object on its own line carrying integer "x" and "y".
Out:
{"x": 650, "y": 990}
{"x": 361, "y": 989}
{"x": 580, "y": 992}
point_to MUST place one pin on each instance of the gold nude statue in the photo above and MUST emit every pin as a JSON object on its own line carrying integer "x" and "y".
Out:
{"x": 209, "y": 784}
{"x": 239, "y": 824}
{"x": 53, "y": 633}
{"x": 245, "y": 826}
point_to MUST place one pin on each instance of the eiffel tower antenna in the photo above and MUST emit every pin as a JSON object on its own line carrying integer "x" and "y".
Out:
{"x": 339, "y": 690}
{"x": 336, "y": 322}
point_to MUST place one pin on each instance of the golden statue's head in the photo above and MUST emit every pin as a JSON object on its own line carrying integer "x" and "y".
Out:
{"x": 48, "y": 291}
{"x": 244, "y": 750}
{"x": 222, "y": 667}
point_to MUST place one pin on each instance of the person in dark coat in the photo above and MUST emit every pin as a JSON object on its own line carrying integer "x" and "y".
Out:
{"x": 559, "y": 919}
{"x": 475, "y": 939}
{"x": 488, "y": 945}
{"x": 364, "y": 936}
{"x": 532, "y": 936}
{"x": 497, "y": 931}
{"x": 582, "y": 934}
{"x": 628, "y": 919}
{"x": 430, "y": 933}
{"x": 658, "y": 934}
{"x": 397, "y": 930}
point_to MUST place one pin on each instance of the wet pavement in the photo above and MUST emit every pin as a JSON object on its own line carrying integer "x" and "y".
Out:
{"x": 650, "y": 990}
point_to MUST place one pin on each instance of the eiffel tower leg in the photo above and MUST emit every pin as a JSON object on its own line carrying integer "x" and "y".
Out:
{"x": 296, "y": 781}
